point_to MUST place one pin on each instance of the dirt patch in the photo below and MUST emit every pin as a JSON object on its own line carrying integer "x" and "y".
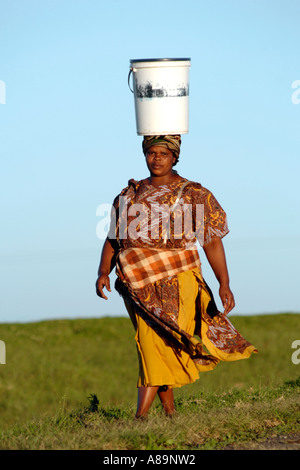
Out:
{"x": 284, "y": 442}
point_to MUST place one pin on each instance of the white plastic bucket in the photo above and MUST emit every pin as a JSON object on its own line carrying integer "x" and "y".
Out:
{"x": 161, "y": 95}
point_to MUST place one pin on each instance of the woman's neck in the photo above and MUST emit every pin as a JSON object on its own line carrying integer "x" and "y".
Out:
{"x": 166, "y": 179}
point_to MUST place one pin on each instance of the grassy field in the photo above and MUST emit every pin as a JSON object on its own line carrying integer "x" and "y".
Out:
{"x": 71, "y": 384}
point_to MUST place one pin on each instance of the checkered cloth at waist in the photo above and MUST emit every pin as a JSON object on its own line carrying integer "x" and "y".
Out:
{"x": 142, "y": 266}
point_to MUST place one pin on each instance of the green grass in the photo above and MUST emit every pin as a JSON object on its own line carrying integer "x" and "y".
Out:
{"x": 71, "y": 384}
{"x": 204, "y": 421}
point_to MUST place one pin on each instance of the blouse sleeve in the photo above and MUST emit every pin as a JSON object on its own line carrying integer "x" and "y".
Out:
{"x": 215, "y": 219}
{"x": 117, "y": 228}
{"x": 211, "y": 218}
{"x": 112, "y": 232}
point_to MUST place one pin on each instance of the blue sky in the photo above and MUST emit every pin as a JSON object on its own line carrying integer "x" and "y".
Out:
{"x": 68, "y": 141}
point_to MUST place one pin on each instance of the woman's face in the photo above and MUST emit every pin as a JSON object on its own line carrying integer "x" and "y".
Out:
{"x": 160, "y": 160}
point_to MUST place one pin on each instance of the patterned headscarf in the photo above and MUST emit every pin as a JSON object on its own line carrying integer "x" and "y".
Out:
{"x": 171, "y": 142}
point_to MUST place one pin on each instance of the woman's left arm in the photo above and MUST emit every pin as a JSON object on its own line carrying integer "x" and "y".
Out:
{"x": 215, "y": 255}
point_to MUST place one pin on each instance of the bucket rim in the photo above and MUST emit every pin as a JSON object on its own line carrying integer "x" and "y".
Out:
{"x": 160, "y": 60}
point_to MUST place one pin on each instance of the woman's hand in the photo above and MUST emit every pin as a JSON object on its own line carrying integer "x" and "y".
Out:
{"x": 227, "y": 298}
{"x": 102, "y": 281}
{"x": 107, "y": 263}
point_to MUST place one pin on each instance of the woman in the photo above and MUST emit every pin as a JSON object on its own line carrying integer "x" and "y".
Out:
{"x": 155, "y": 225}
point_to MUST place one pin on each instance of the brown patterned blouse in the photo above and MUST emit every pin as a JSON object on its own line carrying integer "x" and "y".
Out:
{"x": 169, "y": 216}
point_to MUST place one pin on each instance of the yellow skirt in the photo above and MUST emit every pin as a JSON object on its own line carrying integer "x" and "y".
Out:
{"x": 159, "y": 362}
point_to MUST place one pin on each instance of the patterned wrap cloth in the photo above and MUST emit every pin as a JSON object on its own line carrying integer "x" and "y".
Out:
{"x": 140, "y": 266}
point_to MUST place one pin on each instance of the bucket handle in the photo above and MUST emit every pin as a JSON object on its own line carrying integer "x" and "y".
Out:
{"x": 130, "y": 72}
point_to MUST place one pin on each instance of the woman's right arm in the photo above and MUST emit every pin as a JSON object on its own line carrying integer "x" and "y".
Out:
{"x": 107, "y": 263}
